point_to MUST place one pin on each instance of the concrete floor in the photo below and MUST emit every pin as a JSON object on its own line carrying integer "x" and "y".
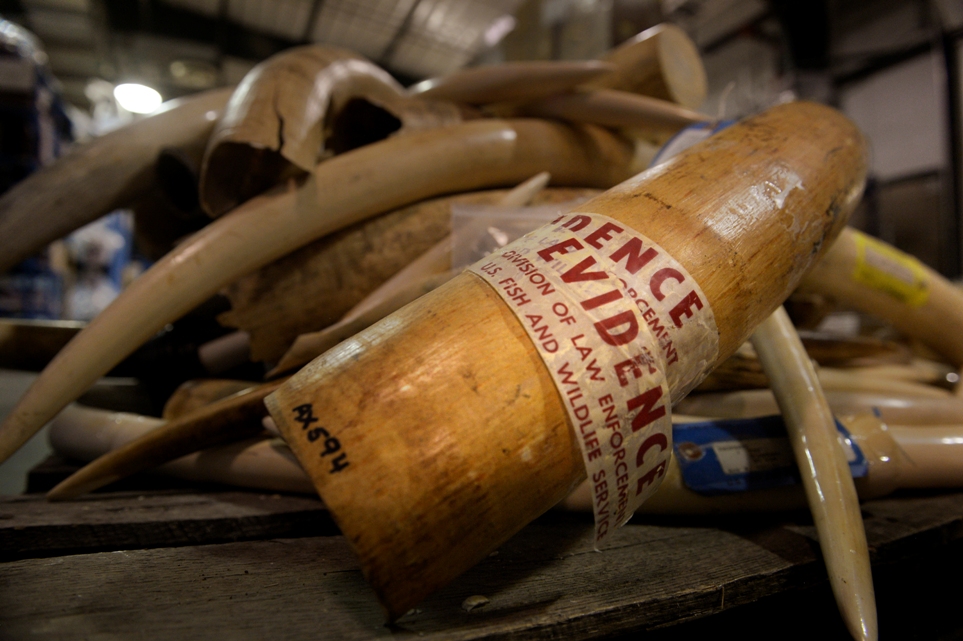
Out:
{"x": 13, "y": 472}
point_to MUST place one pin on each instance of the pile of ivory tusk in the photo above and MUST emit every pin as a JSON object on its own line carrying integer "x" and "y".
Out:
{"x": 328, "y": 187}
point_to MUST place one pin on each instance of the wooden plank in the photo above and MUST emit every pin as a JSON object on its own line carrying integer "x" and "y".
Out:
{"x": 547, "y": 582}
{"x": 32, "y": 527}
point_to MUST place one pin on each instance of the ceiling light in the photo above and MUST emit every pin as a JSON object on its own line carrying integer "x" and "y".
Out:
{"x": 138, "y": 99}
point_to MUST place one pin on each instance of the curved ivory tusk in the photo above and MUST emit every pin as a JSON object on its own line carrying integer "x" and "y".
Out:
{"x": 427, "y": 272}
{"x": 195, "y": 394}
{"x": 454, "y": 433}
{"x": 875, "y": 278}
{"x": 611, "y": 108}
{"x": 661, "y": 62}
{"x": 97, "y": 177}
{"x": 344, "y": 190}
{"x": 825, "y": 473}
{"x": 511, "y": 81}
{"x": 224, "y": 421}
{"x": 856, "y": 381}
{"x": 895, "y": 408}
{"x": 283, "y": 116}
{"x": 85, "y": 434}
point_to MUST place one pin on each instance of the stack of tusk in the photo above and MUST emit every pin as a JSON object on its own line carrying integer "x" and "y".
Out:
{"x": 449, "y": 432}
{"x": 825, "y": 473}
{"x": 341, "y": 191}
{"x": 903, "y": 455}
{"x": 207, "y": 414}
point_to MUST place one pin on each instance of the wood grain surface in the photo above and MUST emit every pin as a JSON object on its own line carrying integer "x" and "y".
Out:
{"x": 667, "y": 578}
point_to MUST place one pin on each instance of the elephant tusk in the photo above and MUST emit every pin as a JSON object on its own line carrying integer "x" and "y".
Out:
{"x": 342, "y": 191}
{"x": 890, "y": 407}
{"x": 859, "y": 271}
{"x": 661, "y": 62}
{"x": 826, "y": 478}
{"x": 511, "y": 82}
{"x": 97, "y": 177}
{"x": 224, "y": 421}
{"x": 447, "y": 434}
{"x": 86, "y": 433}
{"x": 611, "y": 108}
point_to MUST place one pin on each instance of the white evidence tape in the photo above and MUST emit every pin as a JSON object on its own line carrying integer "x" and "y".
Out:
{"x": 624, "y": 331}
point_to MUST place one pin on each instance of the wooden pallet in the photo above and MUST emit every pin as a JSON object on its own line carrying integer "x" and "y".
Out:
{"x": 181, "y": 564}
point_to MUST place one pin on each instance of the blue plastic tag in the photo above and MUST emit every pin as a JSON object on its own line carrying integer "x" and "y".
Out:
{"x": 720, "y": 457}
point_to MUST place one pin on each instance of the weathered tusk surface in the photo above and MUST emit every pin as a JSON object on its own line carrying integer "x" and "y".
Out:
{"x": 611, "y": 108}
{"x": 224, "y": 421}
{"x": 825, "y": 473}
{"x": 97, "y": 177}
{"x": 85, "y": 434}
{"x": 457, "y": 435}
{"x": 282, "y": 117}
{"x": 511, "y": 81}
{"x": 344, "y": 190}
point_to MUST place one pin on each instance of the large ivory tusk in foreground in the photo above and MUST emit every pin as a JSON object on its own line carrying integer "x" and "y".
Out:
{"x": 95, "y": 178}
{"x": 825, "y": 473}
{"x": 457, "y": 435}
{"x": 343, "y": 190}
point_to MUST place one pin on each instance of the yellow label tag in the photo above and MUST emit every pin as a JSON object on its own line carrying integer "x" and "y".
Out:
{"x": 889, "y": 270}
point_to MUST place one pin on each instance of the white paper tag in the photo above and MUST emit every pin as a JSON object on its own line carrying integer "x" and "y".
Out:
{"x": 624, "y": 331}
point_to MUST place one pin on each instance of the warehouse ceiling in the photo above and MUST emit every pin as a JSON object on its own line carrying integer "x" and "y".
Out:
{"x": 180, "y": 46}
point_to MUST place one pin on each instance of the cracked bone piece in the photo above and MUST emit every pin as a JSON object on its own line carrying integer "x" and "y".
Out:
{"x": 341, "y": 191}
{"x": 511, "y": 81}
{"x": 96, "y": 177}
{"x": 825, "y": 473}
{"x": 284, "y": 117}
{"x": 451, "y": 433}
